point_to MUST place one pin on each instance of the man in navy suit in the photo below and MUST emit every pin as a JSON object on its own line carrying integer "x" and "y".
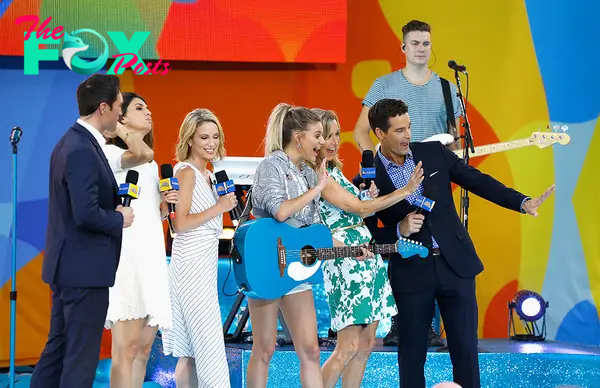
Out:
{"x": 83, "y": 239}
{"x": 448, "y": 273}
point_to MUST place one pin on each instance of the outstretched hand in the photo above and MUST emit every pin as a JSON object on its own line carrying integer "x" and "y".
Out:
{"x": 530, "y": 206}
{"x": 416, "y": 178}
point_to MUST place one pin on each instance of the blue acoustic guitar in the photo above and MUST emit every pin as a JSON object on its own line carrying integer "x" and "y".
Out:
{"x": 272, "y": 257}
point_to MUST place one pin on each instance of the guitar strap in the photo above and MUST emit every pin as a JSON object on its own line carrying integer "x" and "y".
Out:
{"x": 247, "y": 209}
{"x": 449, "y": 106}
{"x": 242, "y": 219}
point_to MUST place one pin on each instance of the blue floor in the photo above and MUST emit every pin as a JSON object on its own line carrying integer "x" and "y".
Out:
{"x": 506, "y": 364}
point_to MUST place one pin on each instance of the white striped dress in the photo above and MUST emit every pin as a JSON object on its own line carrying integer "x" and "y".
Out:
{"x": 197, "y": 328}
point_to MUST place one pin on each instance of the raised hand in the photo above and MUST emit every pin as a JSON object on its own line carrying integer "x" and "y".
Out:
{"x": 416, "y": 178}
{"x": 322, "y": 174}
{"x": 530, "y": 206}
{"x": 118, "y": 130}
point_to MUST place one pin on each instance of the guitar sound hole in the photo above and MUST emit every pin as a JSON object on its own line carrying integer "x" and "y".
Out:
{"x": 308, "y": 255}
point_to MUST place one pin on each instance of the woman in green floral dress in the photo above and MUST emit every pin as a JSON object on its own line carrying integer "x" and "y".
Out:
{"x": 359, "y": 291}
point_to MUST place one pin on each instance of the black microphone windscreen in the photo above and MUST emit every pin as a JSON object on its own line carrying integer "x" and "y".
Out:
{"x": 221, "y": 176}
{"x": 367, "y": 158}
{"x": 166, "y": 171}
{"x": 132, "y": 177}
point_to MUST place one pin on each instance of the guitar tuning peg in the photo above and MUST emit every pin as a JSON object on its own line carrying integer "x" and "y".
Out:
{"x": 564, "y": 128}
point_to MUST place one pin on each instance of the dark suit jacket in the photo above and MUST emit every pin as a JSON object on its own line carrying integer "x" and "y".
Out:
{"x": 443, "y": 222}
{"x": 83, "y": 240}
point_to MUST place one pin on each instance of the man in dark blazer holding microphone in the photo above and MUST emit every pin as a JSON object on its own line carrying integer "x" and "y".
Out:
{"x": 83, "y": 240}
{"x": 448, "y": 273}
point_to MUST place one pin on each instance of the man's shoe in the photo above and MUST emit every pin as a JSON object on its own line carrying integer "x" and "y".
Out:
{"x": 391, "y": 339}
{"x": 434, "y": 338}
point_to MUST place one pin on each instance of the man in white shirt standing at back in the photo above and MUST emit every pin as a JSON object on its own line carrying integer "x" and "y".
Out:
{"x": 432, "y": 110}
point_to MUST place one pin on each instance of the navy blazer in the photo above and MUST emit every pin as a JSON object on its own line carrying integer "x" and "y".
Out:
{"x": 83, "y": 239}
{"x": 441, "y": 167}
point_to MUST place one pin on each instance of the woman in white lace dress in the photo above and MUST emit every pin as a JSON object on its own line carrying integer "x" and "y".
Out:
{"x": 139, "y": 301}
{"x": 197, "y": 334}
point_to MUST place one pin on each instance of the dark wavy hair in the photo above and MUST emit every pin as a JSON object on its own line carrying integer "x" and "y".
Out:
{"x": 127, "y": 99}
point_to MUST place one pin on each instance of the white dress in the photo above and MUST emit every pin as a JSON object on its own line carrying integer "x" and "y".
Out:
{"x": 141, "y": 288}
{"x": 197, "y": 326}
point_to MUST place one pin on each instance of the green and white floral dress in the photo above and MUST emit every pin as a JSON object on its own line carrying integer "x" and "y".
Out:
{"x": 359, "y": 292}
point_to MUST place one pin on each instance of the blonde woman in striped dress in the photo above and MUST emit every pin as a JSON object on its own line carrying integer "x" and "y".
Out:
{"x": 197, "y": 334}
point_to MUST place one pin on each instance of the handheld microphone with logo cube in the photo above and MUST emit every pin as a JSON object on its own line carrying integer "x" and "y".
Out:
{"x": 168, "y": 183}
{"x": 225, "y": 186}
{"x": 129, "y": 190}
{"x": 367, "y": 173}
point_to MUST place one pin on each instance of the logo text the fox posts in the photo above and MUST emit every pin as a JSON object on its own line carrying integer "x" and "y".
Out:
{"x": 73, "y": 44}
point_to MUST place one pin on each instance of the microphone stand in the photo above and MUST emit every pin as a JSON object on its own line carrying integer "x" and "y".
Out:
{"x": 464, "y": 200}
{"x": 14, "y": 140}
{"x": 468, "y": 146}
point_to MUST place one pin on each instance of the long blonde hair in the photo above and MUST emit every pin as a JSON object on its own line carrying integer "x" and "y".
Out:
{"x": 192, "y": 121}
{"x": 283, "y": 122}
{"x": 328, "y": 117}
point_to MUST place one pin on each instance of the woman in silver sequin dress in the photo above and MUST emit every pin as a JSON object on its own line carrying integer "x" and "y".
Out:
{"x": 287, "y": 189}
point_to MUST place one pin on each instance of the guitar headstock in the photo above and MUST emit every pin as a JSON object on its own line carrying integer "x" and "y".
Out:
{"x": 545, "y": 139}
{"x": 407, "y": 248}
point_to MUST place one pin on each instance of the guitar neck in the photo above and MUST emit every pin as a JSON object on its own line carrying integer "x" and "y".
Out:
{"x": 496, "y": 147}
{"x": 340, "y": 252}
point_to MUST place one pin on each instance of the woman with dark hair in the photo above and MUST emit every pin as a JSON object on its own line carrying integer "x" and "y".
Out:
{"x": 139, "y": 301}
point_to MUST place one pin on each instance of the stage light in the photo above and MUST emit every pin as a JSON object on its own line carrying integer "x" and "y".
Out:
{"x": 530, "y": 307}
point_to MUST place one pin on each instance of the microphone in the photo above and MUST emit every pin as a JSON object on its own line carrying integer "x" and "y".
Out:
{"x": 129, "y": 190}
{"x": 168, "y": 183}
{"x": 15, "y": 135}
{"x": 423, "y": 204}
{"x": 456, "y": 67}
{"x": 225, "y": 186}
{"x": 367, "y": 172}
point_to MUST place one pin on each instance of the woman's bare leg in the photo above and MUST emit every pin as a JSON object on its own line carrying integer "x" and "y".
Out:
{"x": 301, "y": 318}
{"x": 125, "y": 343}
{"x": 263, "y": 315}
{"x": 138, "y": 372}
{"x": 345, "y": 350}
{"x": 354, "y": 373}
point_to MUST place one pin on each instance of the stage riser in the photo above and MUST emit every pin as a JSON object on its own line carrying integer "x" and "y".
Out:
{"x": 502, "y": 370}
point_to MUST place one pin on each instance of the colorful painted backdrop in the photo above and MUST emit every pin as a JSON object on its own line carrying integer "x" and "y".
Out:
{"x": 208, "y": 30}
{"x": 529, "y": 63}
